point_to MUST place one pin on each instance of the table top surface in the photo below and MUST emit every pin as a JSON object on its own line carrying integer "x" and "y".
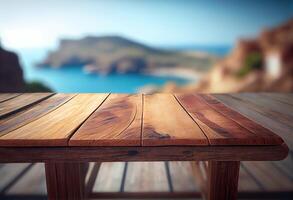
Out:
{"x": 47, "y": 119}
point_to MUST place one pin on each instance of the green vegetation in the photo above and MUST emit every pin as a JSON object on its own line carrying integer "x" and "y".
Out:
{"x": 252, "y": 62}
{"x": 36, "y": 86}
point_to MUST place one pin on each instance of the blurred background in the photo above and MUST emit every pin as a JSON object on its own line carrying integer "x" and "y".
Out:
{"x": 146, "y": 46}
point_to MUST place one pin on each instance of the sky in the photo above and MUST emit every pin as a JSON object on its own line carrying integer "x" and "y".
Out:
{"x": 35, "y": 23}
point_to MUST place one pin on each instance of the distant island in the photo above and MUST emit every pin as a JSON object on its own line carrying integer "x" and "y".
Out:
{"x": 115, "y": 54}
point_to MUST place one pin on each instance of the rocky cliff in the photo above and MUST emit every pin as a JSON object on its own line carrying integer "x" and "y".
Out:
{"x": 261, "y": 64}
{"x": 113, "y": 54}
{"x": 11, "y": 76}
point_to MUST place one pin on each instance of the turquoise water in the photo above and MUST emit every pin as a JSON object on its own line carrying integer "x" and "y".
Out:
{"x": 73, "y": 79}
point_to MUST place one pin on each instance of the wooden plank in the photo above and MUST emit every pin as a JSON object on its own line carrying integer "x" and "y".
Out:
{"x": 219, "y": 129}
{"x": 7, "y": 96}
{"x": 109, "y": 177}
{"x": 269, "y": 176}
{"x": 146, "y": 177}
{"x": 265, "y": 134}
{"x": 165, "y": 122}
{"x": 280, "y": 97}
{"x": 160, "y": 153}
{"x": 32, "y": 183}
{"x": 20, "y": 102}
{"x": 247, "y": 182}
{"x": 29, "y": 115}
{"x": 255, "y": 113}
{"x": 181, "y": 177}
{"x": 56, "y": 127}
{"x": 116, "y": 123}
{"x": 58, "y": 175}
{"x": 268, "y": 108}
{"x": 223, "y": 180}
{"x": 10, "y": 173}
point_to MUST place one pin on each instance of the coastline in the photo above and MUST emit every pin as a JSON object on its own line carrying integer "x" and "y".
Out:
{"x": 183, "y": 73}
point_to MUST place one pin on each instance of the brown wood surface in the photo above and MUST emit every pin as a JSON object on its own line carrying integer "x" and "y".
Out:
{"x": 17, "y": 120}
{"x": 116, "y": 123}
{"x": 7, "y": 96}
{"x": 223, "y": 180}
{"x": 264, "y": 134}
{"x": 56, "y": 127}
{"x": 165, "y": 122}
{"x": 257, "y": 114}
{"x": 64, "y": 181}
{"x": 219, "y": 129}
{"x": 20, "y": 102}
{"x": 144, "y": 182}
{"x": 160, "y": 153}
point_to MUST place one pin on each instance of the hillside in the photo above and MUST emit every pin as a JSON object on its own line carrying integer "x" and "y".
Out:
{"x": 264, "y": 63}
{"x": 113, "y": 54}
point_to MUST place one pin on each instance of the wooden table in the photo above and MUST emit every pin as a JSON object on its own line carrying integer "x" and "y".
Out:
{"x": 68, "y": 130}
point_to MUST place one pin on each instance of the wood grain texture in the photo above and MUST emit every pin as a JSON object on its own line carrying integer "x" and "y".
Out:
{"x": 19, "y": 119}
{"x": 146, "y": 177}
{"x": 20, "y": 102}
{"x": 223, "y": 180}
{"x": 7, "y": 96}
{"x": 182, "y": 180}
{"x": 281, "y": 114}
{"x": 262, "y": 133}
{"x": 116, "y": 123}
{"x": 284, "y": 98}
{"x": 161, "y": 153}
{"x": 270, "y": 177}
{"x": 219, "y": 129}
{"x": 165, "y": 122}
{"x": 106, "y": 184}
{"x": 64, "y": 181}
{"x": 256, "y": 114}
{"x": 56, "y": 127}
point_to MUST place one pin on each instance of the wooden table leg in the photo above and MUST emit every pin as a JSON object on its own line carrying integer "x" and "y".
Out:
{"x": 223, "y": 180}
{"x": 65, "y": 180}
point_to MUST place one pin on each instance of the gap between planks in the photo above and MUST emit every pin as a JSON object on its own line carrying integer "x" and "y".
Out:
{"x": 30, "y": 109}
{"x": 74, "y": 131}
{"x": 192, "y": 119}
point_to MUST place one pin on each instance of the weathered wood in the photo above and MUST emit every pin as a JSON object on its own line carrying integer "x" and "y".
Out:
{"x": 11, "y": 173}
{"x": 33, "y": 182}
{"x": 284, "y": 98}
{"x": 7, "y": 96}
{"x": 248, "y": 182}
{"x": 219, "y": 129}
{"x": 268, "y": 108}
{"x": 56, "y": 127}
{"x": 270, "y": 178}
{"x": 255, "y": 113}
{"x": 145, "y": 195}
{"x": 116, "y": 123}
{"x": 29, "y": 115}
{"x": 262, "y": 133}
{"x": 146, "y": 177}
{"x": 20, "y": 102}
{"x": 223, "y": 180}
{"x": 201, "y": 176}
{"x": 64, "y": 181}
{"x": 165, "y": 122}
{"x": 174, "y": 153}
{"x": 106, "y": 184}
{"x": 181, "y": 177}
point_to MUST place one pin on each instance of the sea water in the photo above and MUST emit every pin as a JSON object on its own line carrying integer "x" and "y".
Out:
{"x": 74, "y": 79}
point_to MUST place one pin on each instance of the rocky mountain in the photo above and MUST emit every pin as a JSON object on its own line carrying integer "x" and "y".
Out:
{"x": 261, "y": 64}
{"x": 113, "y": 54}
{"x": 11, "y": 75}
